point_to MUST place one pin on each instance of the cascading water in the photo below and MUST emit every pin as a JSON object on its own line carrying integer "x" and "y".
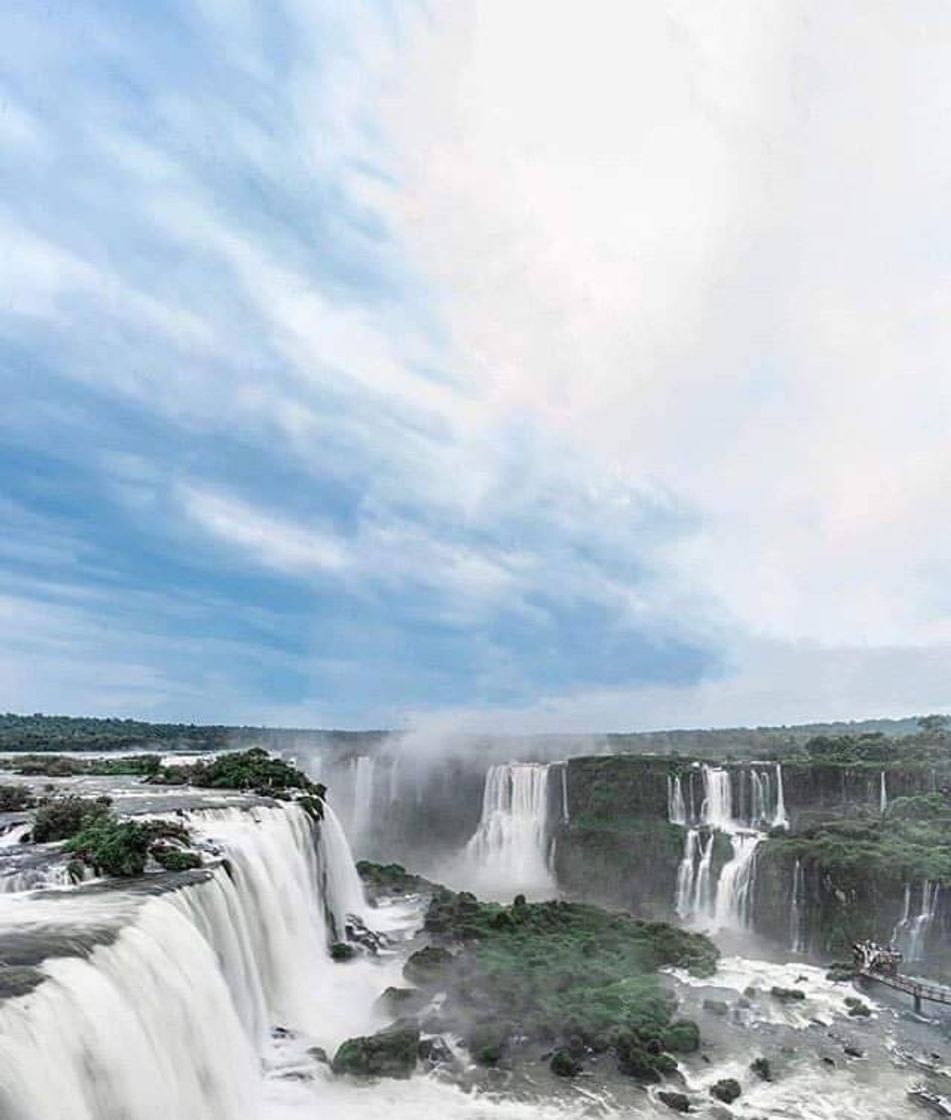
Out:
{"x": 882, "y": 794}
{"x": 363, "y": 773}
{"x": 797, "y": 912}
{"x": 921, "y": 925}
{"x": 759, "y": 804}
{"x": 509, "y": 850}
{"x": 676, "y": 808}
{"x": 564, "y": 793}
{"x": 170, "y": 1018}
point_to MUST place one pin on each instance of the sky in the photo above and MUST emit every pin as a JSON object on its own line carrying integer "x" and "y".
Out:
{"x": 533, "y": 366}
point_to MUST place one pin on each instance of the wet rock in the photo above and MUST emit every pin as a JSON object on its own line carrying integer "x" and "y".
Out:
{"x": 435, "y": 1051}
{"x": 726, "y": 1090}
{"x": 341, "y": 951}
{"x": 428, "y": 966}
{"x": 761, "y": 1067}
{"x": 840, "y": 972}
{"x": 787, "y": 995}
{"x": 388, "y": 1053}
{"x": 319, "y": 1054}
{"x": 853, "y": 1052}
{"x": 716, "y": 1006}
{"x": 400, "y": 1001}
{"x": 828, "y": 1062}
{"x": 750, "y": 992}
{"x": 564, "y": 1064}
{"x": 281, "y": 1032}
{"x": 679, "y": 1102}
{"x": 357, "y": 931}
{"x": 857, "y": 1009}
{"x": 486, "y": 1042}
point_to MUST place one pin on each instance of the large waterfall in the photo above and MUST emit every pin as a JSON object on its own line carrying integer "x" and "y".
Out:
{"x": 741, "y": 804}
{"x": 172, "y": 1016}
{"x": 511, "y": 847}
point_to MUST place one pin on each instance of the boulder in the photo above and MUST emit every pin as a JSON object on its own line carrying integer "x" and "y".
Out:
{"x": 435, "y": 1051}
{"x": 679, "y": 1102}
{"x": 726, "y": 1090}
{"x": 341, "y": 951}
{"x": 400, "y": 1001}
{"x": 564, "y": 1064}
{"x": 388, "y": 1053}
{"x": 787, "y": 995}
{"x": 716, "y": 1006}
{"x": 761, "y": 1067}
{"x": 428, "y": 966}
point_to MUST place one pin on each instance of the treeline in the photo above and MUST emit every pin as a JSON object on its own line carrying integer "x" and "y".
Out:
{"x": 40, "y": 733}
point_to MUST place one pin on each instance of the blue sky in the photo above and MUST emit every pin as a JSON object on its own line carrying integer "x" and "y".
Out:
{"x": 360, "y": 370}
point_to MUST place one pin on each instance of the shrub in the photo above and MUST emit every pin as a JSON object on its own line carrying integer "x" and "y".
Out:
{"x": 63, "y": 817}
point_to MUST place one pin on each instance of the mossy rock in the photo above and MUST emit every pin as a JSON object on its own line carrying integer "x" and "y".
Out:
{"x": 633, "y": 1058}
{"x": 860, "y": 1011}
{"x": 679, "y": 1102}
{"x": 726, "y": 1090}
{"x": 175, "y": 859}
{"x": 340, "y": 951}
{"x": 388, "y": 1053}
{"x": 487, "y": 1042}
{"x": 787, "y": 995}
{"x": 428, "y": 966}
{"x": 682, "y": 1037}
{"x": 761, "y": 1067}
{"x": 400, "y": 1001}
{"x": 564, "y": 1064}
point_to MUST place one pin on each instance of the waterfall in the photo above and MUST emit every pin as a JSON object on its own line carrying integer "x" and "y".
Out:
{"x": 510, "y": 848}
{"x": 797, "y": 913}
{"x": 683, "y": 902}
{"x": 922, "y": 923}
{"x": 780, "y": 819}
{"x": 171, "y": 1017}
{"x": 717, "y": 808}
{"x": 362, "y": 796}
{"x": 903, "y": 924}
{"x": 734, "y": 895}
{"x": 676, "y": 809}
{"x": 759, "y": 804}
{"x": 14, "y": 834}
{"x": 702, "y": 897}
{"x": 394, "y": 782}
{"x": 882, "y": 794}
{"x": 564, "y": 793}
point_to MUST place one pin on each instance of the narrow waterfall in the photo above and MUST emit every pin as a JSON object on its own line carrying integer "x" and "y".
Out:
{"x": 717, "y": 808}
{"x": 921, "y": 925}
{"x": 734, "y": 894}
{"x": 393, "y": 790}
{"x": 882, "y": 794}
{"x": 564, "y": 793}
{"x": 903, "y": 925}
{"x": 683, "y": 901}
{"x": 676, "y": 809}
{"x": 510, "y": 847}
{"x": 362, "y": 818}
{"x": 797, "y": 911}
{"x": 703, "y": 896}
{"x": 171, "y": 1018}
{"x": 780, "y": 818}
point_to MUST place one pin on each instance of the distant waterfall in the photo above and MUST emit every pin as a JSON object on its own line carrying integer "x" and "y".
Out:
{"x": 564, "y": 793}
{"x": 684, "y": 901}
{"x": 510, "y": 848}
{"x": 362, "y": 818}
{"x": 797, "y": 911}
{"x": 703, "y": 896}
{"x": 780, "y": 819}
{"x": 882, "y": 794}
{"x": 732, "y": 907}
{"x": 676, "y": 808}
{"x": 171, "y": 1018}
{"x": 903, "y": 925}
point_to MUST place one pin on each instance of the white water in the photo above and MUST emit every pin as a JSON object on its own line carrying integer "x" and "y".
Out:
{"x": 921, "y": 925}
{"x": 564, "y": 793}
{"x": 363, "y": 770}
{"x": 510, "y": 849}
{"x": 797, "y": 913}
{"x": 882, "y": 794}
{"x": 780, "y": 819}
{"x": 676, "y": 808}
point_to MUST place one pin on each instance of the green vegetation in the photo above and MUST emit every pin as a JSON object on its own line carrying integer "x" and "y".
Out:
{"x": 62, "y": 817}
{"x": 562, "y": 973}
{"x": 121, "y": 847}
{"x": 15, "y": 798}
{"x": 65, "y": 766}
{"x": 392, "y": 879}
{"x": 253, "y": 769}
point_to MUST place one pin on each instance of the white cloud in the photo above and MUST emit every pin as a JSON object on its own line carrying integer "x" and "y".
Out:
{"x": 706, "y": 245}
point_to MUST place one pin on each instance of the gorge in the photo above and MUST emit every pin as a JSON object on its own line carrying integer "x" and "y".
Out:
{"x": 223, "y": 988}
